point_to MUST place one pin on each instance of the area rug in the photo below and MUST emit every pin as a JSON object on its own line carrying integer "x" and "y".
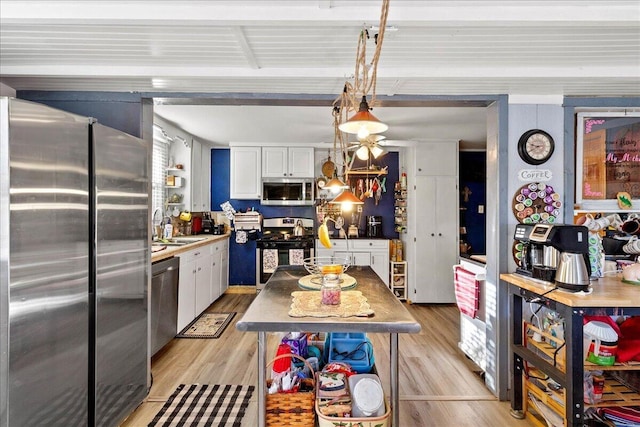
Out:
{"x": 207, "y": 325}
{"x": 204, "y": 405}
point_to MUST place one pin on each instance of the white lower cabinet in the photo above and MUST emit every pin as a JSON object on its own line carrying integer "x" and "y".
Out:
{"x": 219, "y": 269}
{"x": 371, "y": 252}
{"x": 193, "y": 284}
{"x": 204, "y": 276}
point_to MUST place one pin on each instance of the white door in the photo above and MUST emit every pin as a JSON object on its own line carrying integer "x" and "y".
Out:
{"x": 216, "y": 266}
{"x": 196, "y": 177}
{"x": 437, "y": 159}
{"x": 205, "y": 180}
{"x": 186, "y": 293}
{"x": 224, "y": 268}
{"x": 301, "y": 162}
{"x": 246, "y": 173}
{"x": 203, "y": 283}
{"x": 436, "y": 239}
{"x": 274, "y": 162}
{"x": 380, "y": 264}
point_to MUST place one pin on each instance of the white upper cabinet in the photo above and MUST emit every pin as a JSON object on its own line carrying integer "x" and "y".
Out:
{"x": 200, "y": 177}
{"x": 437, "y": 159}
{"x": 246, "y": 173}
{"x": 288, "y": 162}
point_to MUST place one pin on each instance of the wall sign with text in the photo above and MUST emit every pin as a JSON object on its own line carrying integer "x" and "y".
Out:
{"x": 607, "y": 158}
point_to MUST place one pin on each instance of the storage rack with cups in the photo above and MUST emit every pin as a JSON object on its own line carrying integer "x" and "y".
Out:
{"x": 549, "y": 371}
{"x": 612, "y": 233}
{"x": 400, "y": 206}
{"x": 398, "y": 281}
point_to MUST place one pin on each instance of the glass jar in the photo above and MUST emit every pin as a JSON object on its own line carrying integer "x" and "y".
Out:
{"x": 330, "y": 290}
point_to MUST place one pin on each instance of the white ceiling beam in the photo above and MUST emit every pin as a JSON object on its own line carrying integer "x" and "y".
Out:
{"x": 246, "y": 49}
{"x": 308, "y": 13}
{"x": 338, "y": 73}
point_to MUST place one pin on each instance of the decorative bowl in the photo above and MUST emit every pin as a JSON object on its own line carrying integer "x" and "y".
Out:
{"x": 327, "y": 264}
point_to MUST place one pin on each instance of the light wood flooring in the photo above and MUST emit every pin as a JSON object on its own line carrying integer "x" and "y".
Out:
{"x": 437, "y": 384}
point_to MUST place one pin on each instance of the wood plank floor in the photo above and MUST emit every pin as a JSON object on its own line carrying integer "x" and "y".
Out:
{"x": 437, "y": 384}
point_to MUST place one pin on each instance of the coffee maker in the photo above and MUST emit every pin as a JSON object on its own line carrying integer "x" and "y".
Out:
{"x": 558, "y": 253}
{"x": 374, "y": 226}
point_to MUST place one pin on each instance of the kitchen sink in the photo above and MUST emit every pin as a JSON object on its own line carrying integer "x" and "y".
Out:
{"x": 170, "y": 243}
{"x": 179, "y": 241}
{"x": 188, "y": 239}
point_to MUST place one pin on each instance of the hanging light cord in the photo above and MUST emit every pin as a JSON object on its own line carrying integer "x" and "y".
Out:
{"x": 349, "y": 99}
{"x": 365, "y": 82}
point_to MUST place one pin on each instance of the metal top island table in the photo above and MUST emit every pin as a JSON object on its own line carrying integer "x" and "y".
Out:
{"x": 269, "y": 313}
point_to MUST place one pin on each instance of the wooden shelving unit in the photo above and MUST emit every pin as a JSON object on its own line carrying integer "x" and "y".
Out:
{"x": 398, "y": 280}
{"x": 400, "y": 208}
{"x": 542, "y": 359}
{"x": 366, "y": 172}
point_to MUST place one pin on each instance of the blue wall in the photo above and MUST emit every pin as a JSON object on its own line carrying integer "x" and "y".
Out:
{"x": 473, "y": 175}
{"x": 242, "y": 257}
{"x": 121, "y": 111}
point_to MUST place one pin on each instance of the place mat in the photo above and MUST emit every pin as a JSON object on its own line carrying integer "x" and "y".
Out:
{"x": 204, "y": 405}
{"x": 308, "y": 304}
{"x": 207, "y": 325}
{"x": 314, "y": 282}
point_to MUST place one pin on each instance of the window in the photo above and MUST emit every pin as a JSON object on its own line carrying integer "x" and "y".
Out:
{"x": 608, "y": 159}
{"x": 159, "y": 164}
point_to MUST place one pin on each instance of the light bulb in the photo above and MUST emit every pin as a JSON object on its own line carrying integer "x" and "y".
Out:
{"x": 363, "y": 132}
{"x": 346, "y": 206}
{"x": 376, "y": 151}
{"x": 362, "y": 152}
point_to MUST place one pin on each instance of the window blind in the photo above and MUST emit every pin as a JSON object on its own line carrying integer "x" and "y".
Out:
{"x": 159, "y": 164}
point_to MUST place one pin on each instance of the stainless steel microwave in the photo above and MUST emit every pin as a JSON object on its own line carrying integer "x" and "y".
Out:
{"x": 287, "y": 191}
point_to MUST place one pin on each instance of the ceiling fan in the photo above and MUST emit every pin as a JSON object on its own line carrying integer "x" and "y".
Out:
{"x": 369, "y": 144}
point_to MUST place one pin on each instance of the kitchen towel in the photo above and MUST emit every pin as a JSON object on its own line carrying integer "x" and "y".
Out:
{"x": 204, "y": 405}
{"x": 241, "y": 236}
{"x": 269, "y": 260}
{"x": 296, "y": 256}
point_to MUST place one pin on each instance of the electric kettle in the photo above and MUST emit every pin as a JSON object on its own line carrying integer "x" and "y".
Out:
{"x": 299, "y": 230}
{"x": 572, "y": 272}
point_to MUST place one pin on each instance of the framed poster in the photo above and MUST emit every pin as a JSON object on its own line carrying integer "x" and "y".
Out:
{"x": 607, "y": 159}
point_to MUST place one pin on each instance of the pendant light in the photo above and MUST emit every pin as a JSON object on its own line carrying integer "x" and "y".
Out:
{"x": 363, "y": 123}
{"x": 335, "y": 185}
{"x": 346, "y": 200}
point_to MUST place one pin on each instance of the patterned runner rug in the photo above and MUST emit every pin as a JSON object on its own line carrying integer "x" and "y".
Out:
{"x": 207, "y": 325}
{"x": 204, "y": 405}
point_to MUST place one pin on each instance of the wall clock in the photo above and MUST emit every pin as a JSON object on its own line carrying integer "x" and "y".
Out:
{"x": 535, "y": 146}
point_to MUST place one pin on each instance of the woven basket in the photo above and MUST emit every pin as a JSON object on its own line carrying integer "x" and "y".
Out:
{"x": 291, "y": 409}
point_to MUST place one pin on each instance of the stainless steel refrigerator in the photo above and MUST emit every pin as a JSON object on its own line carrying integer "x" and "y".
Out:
{"x": 74, "y": 269}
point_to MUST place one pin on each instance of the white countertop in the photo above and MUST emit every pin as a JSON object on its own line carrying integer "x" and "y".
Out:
{"x": 170, "y": 251}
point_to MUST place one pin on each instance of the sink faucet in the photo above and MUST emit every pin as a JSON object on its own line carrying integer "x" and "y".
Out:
{"x": 153, "y": 223}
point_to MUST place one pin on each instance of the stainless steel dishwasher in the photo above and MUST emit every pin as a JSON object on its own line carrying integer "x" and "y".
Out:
{"x": 164, "y": 302}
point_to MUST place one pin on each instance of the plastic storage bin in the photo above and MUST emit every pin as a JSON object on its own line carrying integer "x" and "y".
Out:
{"x": 355, "y": 349}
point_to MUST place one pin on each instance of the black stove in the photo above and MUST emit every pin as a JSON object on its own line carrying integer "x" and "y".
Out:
{"x": 279, "y": 246}
{"x": 279, "y": 233}
{"x": 281, "y": 240}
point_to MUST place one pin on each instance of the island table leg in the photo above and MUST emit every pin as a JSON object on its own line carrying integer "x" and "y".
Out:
{"x": 393, "y": 377}
{"x": 262, "y": 385}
